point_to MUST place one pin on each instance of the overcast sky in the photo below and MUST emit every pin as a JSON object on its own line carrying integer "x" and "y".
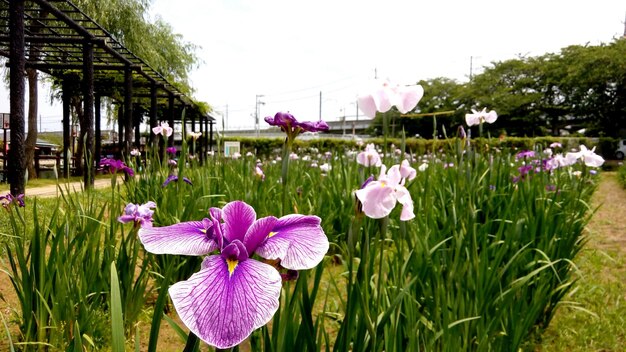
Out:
{"x": 290, "y": 51}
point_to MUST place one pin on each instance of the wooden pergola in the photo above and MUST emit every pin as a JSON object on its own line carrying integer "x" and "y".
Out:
{"x": 56, "y": 37}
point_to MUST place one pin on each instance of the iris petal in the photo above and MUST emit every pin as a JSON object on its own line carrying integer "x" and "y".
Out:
{"x": 238, "y": 217}
{"x": 378, "y": 200}
{"x": 368, "y": 106}
{"x": 297, "y": 240}
{"x": 186, "y": 238}
{"x": 409, "y": 97}
{"x": 258, "y": 232}
{"x": 224, "y": 309}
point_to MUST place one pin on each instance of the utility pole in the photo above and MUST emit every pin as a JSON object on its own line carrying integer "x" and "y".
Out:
{"x": 226, "y": 118}
{"x": 257, "y": 112}
{"x": 320, "y": 105}
{"x": 470, "y": 75}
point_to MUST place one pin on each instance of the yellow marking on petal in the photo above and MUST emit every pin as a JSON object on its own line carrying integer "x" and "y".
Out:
{"x": 272, "y": 233}
{"x": 383, "y": 184}
{"x": 232, "y": 264}
{"x": 203, "y": 231}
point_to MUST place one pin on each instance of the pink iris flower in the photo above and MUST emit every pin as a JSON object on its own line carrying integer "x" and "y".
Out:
{"x": 387, "y": 94}
{"x": 234, "y": 293}
{"x": 164, "y": 129}
{"x": 369, "y": 157}
{"x": 478, "y": 117}
{"x": 589, "y": 157}
{"x": 258, "y": 172}
{"x": 380, "y": 197}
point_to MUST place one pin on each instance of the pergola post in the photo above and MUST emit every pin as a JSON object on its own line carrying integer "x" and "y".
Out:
{"x": 170, "y": 117}
{"x": 201, "y": 150}
{"x": 128, "y": 110}
{"x": 193, "y": 129}
{"x": 66, "y": 96}
{"x": 17, "y": 156}
{"x": 137, "y": 114}
{"x": 153, "y": 113}
{"x": 98, "y": 153}
{"x": 210, "y": 146}
{"x": 88, "y": 106}
{"x": 120, "y": 128}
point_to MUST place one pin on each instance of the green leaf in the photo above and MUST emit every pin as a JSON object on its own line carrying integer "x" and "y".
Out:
{"x": 117, "y": 318}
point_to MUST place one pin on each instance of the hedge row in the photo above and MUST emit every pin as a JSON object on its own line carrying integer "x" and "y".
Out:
{"x": 268, "y": 146}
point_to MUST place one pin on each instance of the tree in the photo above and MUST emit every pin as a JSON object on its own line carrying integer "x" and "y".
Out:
{"x": 511, "y": 88}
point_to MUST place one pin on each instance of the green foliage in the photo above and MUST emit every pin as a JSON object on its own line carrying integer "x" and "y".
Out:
{"x": 621, "y": 175}
{"x": 580, "y": 87}
{"x": 481, "y": 267}
{"x": 265, "y": 147}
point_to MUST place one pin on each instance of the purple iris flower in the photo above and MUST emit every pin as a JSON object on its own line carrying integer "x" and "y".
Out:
{"x": 139, "y": 214}
{"x": 293, "y": 127}
{"x": 174, "y": 178}
{"x": 9, "y": 198}
{"x": 115, "y": 165}
{"x": 234, "y": 294}
{"x": 525, "y": 154}
{"x": 525, "y": 169}
{"x": 171, "y": 150}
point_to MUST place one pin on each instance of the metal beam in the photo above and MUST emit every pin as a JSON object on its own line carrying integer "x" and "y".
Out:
{"x": 59, "y": 66}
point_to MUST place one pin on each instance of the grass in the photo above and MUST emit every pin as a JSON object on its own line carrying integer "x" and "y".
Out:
{"x": 598, "y": 321}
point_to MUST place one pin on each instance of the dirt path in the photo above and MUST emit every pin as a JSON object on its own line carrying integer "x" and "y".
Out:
{"x": 52, "y": 190}
{"x": 608, "y": 225}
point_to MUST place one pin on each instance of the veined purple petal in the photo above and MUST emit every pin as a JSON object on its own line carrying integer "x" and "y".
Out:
{"x": 258, "y": 232}
{"x": 238, "y": 217}
{"x": 169, "y": 179}
{"x": 284, "y": 119}
{"x": 223, "y": 309}
{"x": 270, "y": 120}
{"x": 126, "y": 218}
{"x": 313, "y": 126}
{"x": 297, "y": 240}
{"x": 215, "y": 213}
{"x": 235, "y": 251}
{"x": 186, "y": 238}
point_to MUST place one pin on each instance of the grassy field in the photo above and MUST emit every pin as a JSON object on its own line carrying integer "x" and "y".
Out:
{"x": 597, "y": 319}
{"x": 591, "y": 319}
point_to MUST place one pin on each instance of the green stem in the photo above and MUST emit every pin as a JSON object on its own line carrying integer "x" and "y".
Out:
{"x": 381, "y": 243}
{"x": 285, "y": 173}
{"x": 192, "y": 343}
